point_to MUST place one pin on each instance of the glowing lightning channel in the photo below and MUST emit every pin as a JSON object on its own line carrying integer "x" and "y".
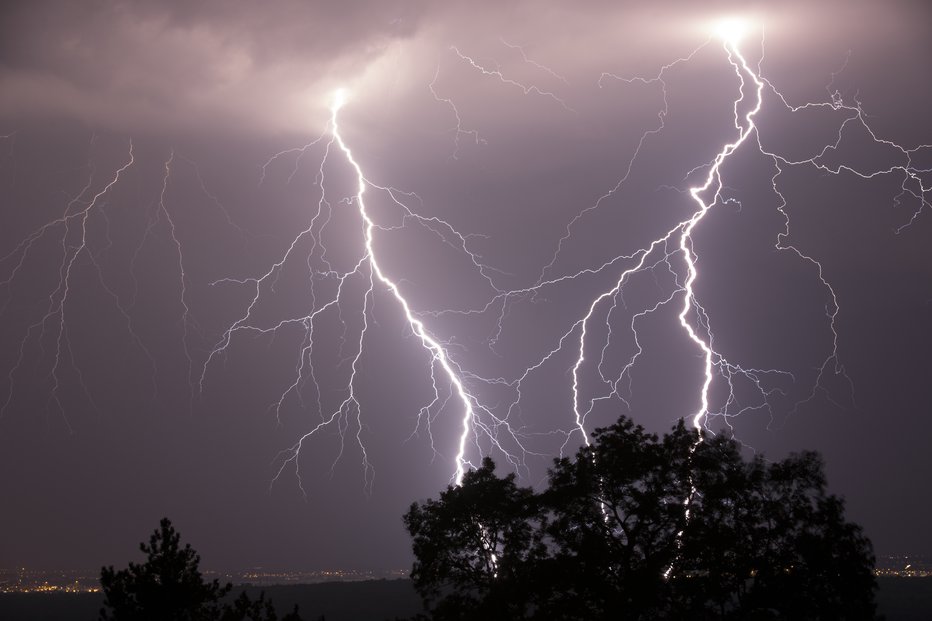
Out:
{"x": 437, "y": 351}
{"x": 683, "y": 231}
{"x": 75, "y": 229}
{"x": 713, "y": 178}
{"x": 706, "y": 195}
{"x": 77, "y": 216}
{"x": 676, "y": 242}
{"x": 498, "y": 75}
{"x": 671, "y": 255}
{"x": 369, "y": 269}
{"x": 186, "y": 314}
{"x": 481, "y": 426}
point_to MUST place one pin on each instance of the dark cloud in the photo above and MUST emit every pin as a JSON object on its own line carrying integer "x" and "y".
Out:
{"x": 135, "y": 65}
{"x": 141, "y": 65}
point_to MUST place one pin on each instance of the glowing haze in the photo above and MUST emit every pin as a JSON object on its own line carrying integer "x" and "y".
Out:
{"x": 276, "y": 272}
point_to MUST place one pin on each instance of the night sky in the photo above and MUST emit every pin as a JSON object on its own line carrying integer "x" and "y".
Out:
{"x": 161, "y": 163}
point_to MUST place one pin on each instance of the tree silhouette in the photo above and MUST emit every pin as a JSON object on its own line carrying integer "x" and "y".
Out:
{"x": 641, "y": 527}
{"x": 781, "y": 543}
{"x": 245, "y": 609}
{"x": 169, "y": 587}
{"x": 615, "y": 511}
{"x": 474, "y": 545}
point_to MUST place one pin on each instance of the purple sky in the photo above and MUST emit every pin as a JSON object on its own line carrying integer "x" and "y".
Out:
{"x": 505, "y": 128}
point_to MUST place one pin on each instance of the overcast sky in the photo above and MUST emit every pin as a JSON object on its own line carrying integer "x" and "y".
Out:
{"x": 156, "y": 159}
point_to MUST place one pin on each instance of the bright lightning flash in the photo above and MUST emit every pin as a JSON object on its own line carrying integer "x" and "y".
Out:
{"x": 590, "y": 338}
{"x": 446, "y": 377}
{"x": 671, "y": 255}
{"x": 437, "y": 352}
{"x": 732, "y": 30}
{"x": 83, "y": 222}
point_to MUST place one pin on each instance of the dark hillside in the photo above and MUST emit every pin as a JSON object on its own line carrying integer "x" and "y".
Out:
{"x": 374, "y": 600}
{"x": 899, "y": 599}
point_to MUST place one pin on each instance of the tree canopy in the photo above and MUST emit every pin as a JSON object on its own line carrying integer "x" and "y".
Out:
{"x": 169, "y": 587}
{"x": 637, "y": 526}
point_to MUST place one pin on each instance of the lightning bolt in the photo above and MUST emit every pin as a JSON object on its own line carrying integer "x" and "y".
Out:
{"x": 84, "y": 219}
{"x": 344, "y": 291}
{"x": 670, "y": 258}
{"x": 676, "y": 243}
{"x": 713, "y": 180}
{"x": 163, "y": 212}
{"x": 674, "y": 256}
{"x": 438, "y": 353}
{"x": 496, "y": 74}
{"x": 458, "y": 131}
{"x": 476, "y": 420}
{"x": 73, "y": 223}
{"x": 368, "y": 268}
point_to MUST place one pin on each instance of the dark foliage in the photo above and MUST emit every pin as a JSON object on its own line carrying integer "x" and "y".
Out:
{"x": 245, "y": 609}
{"x": 169, "y": 587}
{"x": 641, "y": 527}
{"x": 489, "y": 536}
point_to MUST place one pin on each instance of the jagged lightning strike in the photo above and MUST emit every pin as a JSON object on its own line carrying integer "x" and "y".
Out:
{"x": 73, "y": 222}
{"x": 478, "y": 421}
{"x": 672, "y": 253}
{"x": 73, "y": 230}
{"x": 731, "y": 34}
{"x": 645, "y": 257}
{"x": 437, "y": 352}
{"x": 693, "y": 319}
{"x": 369, "y": 269}
{"x": 482, "y": 425}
